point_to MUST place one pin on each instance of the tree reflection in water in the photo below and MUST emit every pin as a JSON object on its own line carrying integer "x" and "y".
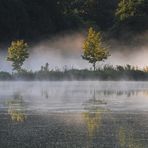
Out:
{"x": 93, "y": 121}
{"x": 16, "y": 108}
{"x": 96, "y": 114}
{"x": 127, "y": 140}
{"x": 93, "y": 114}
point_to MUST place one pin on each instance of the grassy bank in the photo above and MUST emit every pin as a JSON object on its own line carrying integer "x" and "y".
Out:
{"x": 105, "y": 73}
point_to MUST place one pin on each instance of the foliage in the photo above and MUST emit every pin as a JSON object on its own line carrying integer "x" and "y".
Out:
{"x": 23, "y": 75}
{"x": 132, "y": 15}
{"x": 37, "y": 19}
{"x": 17, "y": 54}
{"x": 107, "y": 72}
{"x": 5, "y": 76}
{"x": 93, "y": 49}
{"x": 45, "y": 68}
{"x": 128, "y": 8}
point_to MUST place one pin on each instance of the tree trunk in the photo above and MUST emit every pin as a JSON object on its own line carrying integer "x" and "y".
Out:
{"x": 94, "y": 66}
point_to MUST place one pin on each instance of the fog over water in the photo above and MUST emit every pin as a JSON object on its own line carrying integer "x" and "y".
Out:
{"x": 75, "y": 95}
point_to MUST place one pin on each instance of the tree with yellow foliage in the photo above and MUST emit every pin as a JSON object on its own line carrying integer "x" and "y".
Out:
{"x": 93, "y": 48}
{"x": 17, "y": 112}
{"x": 17, "y": 54}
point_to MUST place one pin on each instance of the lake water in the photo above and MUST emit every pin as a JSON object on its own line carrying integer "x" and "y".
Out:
{"x": 74, "y": 114}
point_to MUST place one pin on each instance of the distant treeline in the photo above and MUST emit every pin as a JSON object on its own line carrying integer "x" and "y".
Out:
{"x": 107, "y": 72}
{"x": 34, "y": 19}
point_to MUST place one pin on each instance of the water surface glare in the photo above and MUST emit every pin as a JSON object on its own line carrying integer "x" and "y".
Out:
{"x": 74, "y": 114}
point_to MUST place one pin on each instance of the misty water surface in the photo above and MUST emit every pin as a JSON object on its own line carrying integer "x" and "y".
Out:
{"x": 74, "y": 114}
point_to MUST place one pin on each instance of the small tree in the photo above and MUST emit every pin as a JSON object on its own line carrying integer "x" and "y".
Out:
{"x": 93, "y": 49}
{"x": 17, "y": 54}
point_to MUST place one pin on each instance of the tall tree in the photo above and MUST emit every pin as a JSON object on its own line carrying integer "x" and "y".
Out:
{"x": 17, "y": 54}
{"x": 93, "y": 48}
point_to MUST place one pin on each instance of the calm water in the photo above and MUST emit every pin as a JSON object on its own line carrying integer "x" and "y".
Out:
{"x": 74, "y": 114}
